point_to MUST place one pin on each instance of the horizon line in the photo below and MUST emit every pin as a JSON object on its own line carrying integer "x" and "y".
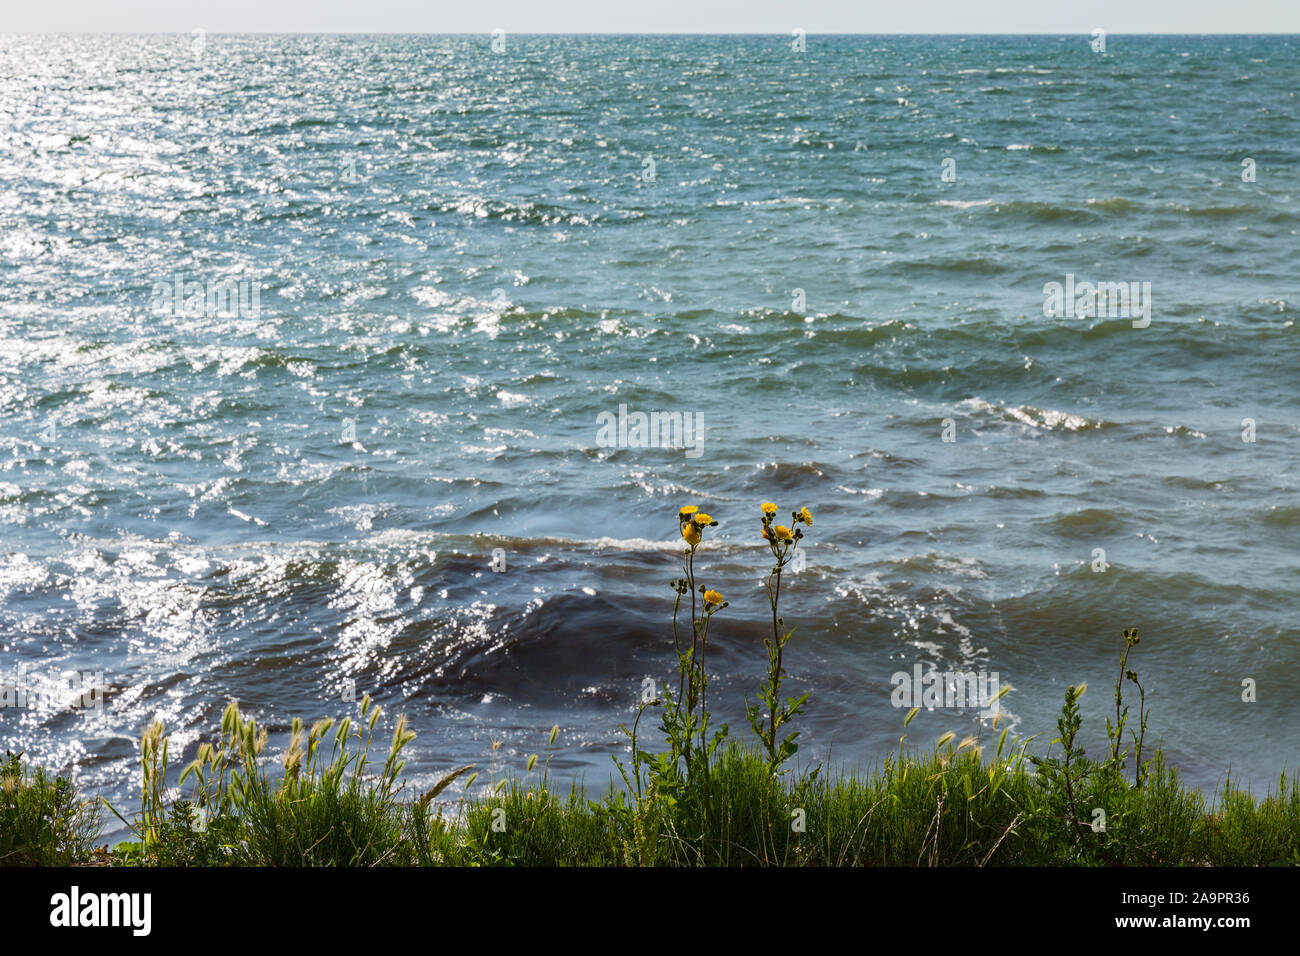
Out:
{"x": 638, "y": 33}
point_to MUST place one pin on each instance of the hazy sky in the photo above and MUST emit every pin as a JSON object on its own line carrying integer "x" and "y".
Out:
{"x": 657, "y": 16}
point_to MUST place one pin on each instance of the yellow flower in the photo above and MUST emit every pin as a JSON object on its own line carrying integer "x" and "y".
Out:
{"x": 713, "y": 597}
{"x": 702, "y": 520}
{"x": 691, "y": 533}
{"x": 805, "y": 516}
{"x": 783, "y": 533}
{"x": 687, "y": 511}
{"x": 769, "y": 508}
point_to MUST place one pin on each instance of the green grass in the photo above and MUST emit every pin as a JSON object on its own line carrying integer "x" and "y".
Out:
{"x": 43, "y": 821}
{"x": 942, "y": 807}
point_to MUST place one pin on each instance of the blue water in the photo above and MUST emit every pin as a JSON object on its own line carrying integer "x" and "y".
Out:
{"x": 471, "y": 255}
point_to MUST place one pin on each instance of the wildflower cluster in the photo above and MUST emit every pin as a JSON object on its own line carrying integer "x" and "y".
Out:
{"x": 692, "y": 522}
{"x": 686, "y": 715}
{"x": 779, "y": 536}
{"x": 782, "y": 542}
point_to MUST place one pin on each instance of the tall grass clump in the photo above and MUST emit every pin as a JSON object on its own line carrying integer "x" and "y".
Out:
{"x": 1243, "y": 832}
{"x": 327, "y": 806}
{"x": 43, "y": 820}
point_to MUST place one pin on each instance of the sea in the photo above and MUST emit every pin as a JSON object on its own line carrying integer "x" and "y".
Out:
{"x": 335, "y": 365}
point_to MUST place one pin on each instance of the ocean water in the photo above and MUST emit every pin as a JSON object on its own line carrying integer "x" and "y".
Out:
{"x": 427, "y": 269}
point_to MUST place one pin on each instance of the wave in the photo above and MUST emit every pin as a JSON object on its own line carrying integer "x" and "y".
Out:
{"x": 934, "y": 562}
{"x": 1280, "y": 516}
{"x": 1088, "y": 523}
{"x": 1041, "y": 211}
{"x": 1114, "y": 204}
{"x": 528, "y": 212}
{"x": 1037, "y": 418}
{"x": 1215, "y": 212}
{"x": 973, "y": 265}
